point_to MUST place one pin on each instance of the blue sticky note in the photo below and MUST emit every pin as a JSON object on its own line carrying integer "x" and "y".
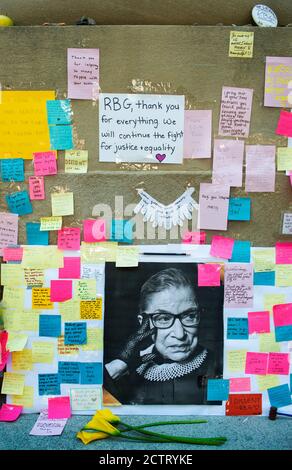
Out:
{"x": 49, "y": 384}
{"x": 279, "y": 396}
{"x": 59, "y": 111}
{"x": 264, "y": 278}
{"x": 50, "y": 325}
{"x": 217, "y": 389}
{"x": 91, "y": 373}
{"x": 240, "y": 252}
{"x": 34, "y": 236}
{"x": 239, "y": 208}
{"x": 61, "y": 137}
{"x": 75, "y": 333}
{"x": 69, "y": 372}
{"x": 12, "y": 169}
{"x": 122, "y": 231}
{"x": 19, "y": 203}
{"x": 237, "y": 328}
{"x": 283, "y": 333}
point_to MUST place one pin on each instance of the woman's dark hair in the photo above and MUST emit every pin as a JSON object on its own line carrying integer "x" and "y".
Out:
{"x": 162, "y": 280}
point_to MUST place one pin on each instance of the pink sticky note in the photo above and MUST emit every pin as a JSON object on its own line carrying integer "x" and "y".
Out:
{"x": 61, "y": 291}
{"x": 71, "y": 269}
{"x": 235, "y": 111}
{"x": 8, "y": 230}
{"x": 69, "y": 238}
{"x": 12, "y": 253}
{"x": 36, "y": 188}
{"x": 256, "y": 363}
{"x": 10, "y": 412}
{"x": 45, "y": 163}
{"x": 227, "y": 162}
{"x": 214, "y": 204}
{"x": 83, "y": 73}
{"x": 4, "y": 352}
{"x": 197, "y": 134}
{"x": 94, "y": 230}
{"x": 196, "y": 238}
{"x": 277, "y": 76}
{"x": 260, "y": 168}
{"x": 278, "y": 363}
{"x": 258, "y": 322}
{"x": 221, "y": 247}
{"x": 59, "y": 408}
{"x": 238, "y": 285}
{"x": 209, "y": 274}
{"x": 240, "y": 384}
{"x": 284, "y": 126}
{"x": 284, "y": 252}
{"x": 282, "y": 314}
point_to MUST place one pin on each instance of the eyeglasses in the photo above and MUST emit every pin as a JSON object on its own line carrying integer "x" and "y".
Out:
{"x": 164, "y": 320}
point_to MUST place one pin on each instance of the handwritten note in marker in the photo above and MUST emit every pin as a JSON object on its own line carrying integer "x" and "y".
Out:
{"x": 197, "y": 134}
{"x": 284, "y": 126}
{"x": 221, "y": 247}
{"x": 260, "y": 168}
{"x": 209, "y": 274}
{"x": 284, "y": 158}
{"x": 75, "y": 333}
{"x": 13, "y": 384}
{"x": 214, "y": 203}
{"x": 50, "y": 325}
{"x": 238, "y": 285}
{"x": 61, "y": 137}
{"x": 41, "y": 298}
{"x": 235, "y": 111}
{"x": 227, "y": 162}
{"x": 244, "y": 404}
{"x": 83, "y": 73}
{"x": 19, "y": 203}
{"x": 94, "y": 230}
{"x": 196, "y": 238}
{"x": 69, "y": 238}
{"x": 34, "y": 234}
{"x": 91, "y": 309}
{"x": 91, "y": 373}
{"x": 263, "y": 259}
{"x": 277, "y": 77}
{"x": 61, "y": 290}
{"x": 240, "y": 252}
{"x": 8, "y": 230}
{"x": 284, "y": 253}
{"x": 280, "y": 396}
{"x": 258, "y": 322}
{"x": 83, "y": 399}
{"x": 50, "y": 224}
{"x": 59, "y": 112}
{"x": 278, "y": 363}
{"x": 45, "y": 163}
{"x": 239, "y": 208}
{"x": 127, "y": 257}
{"x": 217, "y": 389}
{"x": 241, "y": 44}
{"x": 76, "y": 161}
{"x": 256, "y": 363}
{"x": 237, "y": 328}
{"x": 10, "y": 412}
{"x": 12, "y": 169}
{"x": 49, "y": 384}
{"x": 85, "y": 289}
{"x": 71, "y": 269}
{"x": 240, "y": 384}
{"x": 48, "y": 427}
{"x": 283, "y": 275}
{"x": 69, "y": 372}
{"x": 59, "y": 408}
{"x": 33, "y": 277}
{"x": 282, "y": 314}
{"x": 62, "y": 204}
{"x": 36, "y": 188}
{"x": 236, "y": 360}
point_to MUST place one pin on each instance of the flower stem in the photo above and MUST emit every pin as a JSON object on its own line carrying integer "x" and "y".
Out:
{"x": 165, "y": 423}
{"x": 144, "y": 439}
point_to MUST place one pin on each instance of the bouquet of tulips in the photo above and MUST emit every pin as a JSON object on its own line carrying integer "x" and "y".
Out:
{"x": 104, "y": 424}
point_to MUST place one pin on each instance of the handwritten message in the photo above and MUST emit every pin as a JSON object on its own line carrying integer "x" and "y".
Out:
{"x": 244, "y": 404}
{"x": 287, "y": 223}
{"x": 41, "y": 298}
{"x": 141, "y": 128}
{"x": 197, "y": 134}
{"x": 227, "y": 162}
{"x": 277, "y": 77}
{"x": 235, "y": 111}
{"x": 260, "y": 168}
{"x": 91, "y": 309}
{"x": 85, "y": 398}
{"x": 241, "y": 44}
{"x": 12, "y": 169}
{"x": 36, "y": 188}
{"x": 76, "y": 161}
{"x": 238, "y": 287}
{"x": 62, "y": 204}
{"x": 45, "y": 163}
{"x": 69, "y": 238}
{"x": 83, "y": 73}
{"x": 8, "y": 230}
{"x": 214, "y": 203}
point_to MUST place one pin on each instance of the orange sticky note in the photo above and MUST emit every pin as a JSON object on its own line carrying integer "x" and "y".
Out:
{"x": 243, "y": 404}
{"x": 41, "y": 298}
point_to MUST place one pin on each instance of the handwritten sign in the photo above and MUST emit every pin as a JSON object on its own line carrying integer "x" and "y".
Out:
{"x": 49, "y": 384}
{"x": 70, "y": 310}
{"x": 11, "y": 275}
{"x": 76, "y": 161}
{"x": 41, "y": 298}
{"x": 227, "y": 162}
{"x": 241, "y": 44}
{"x": 85, "y": 289}
{"x": 8, "y": 230}
{"x": 283, "y": 275}
{"x": 69, "y": 372}
{"x": 13, "y": 384}
{"x": 91, "y": 373}
{"x": 36, "y": 188}
{"x": 239, "y": 208}
{"x": 244, "y": 404}
{"x": 83, "y": 73}
{"x": 19, "y": 203}
{"x": 214, "y": 203}
{"x": 260, "y": 168}
{"x": 236, "y": 360}
{"x": 48, "y": 427}
{"x": 235, "y": 111}
{"x": 197, "y": 134}
{"x": 287, "y": 223}
{"x": 62, "y": 204}
{"x": 91, "y": 309}
{"x": 69, "y": 238}
{"x": 238, "y": 287}
{"x": 278, "y": 363}
{"x": 12, "y": 169}
{"x": 277, "y": 77}
{"x": 141, "y": 128}
{"x": 268, "y": 343}
{"x": 256, "y": 363}
{"x": 85, "y": 398}
{"x": 75, "y": 333}
{"x": 33, "y": 277}
{"x": 237, "y": 328}
{"x": 45, "y": 163}
{"x": 196, "y": 238}
{"x": 50, "y": 223}
{"x": 267, "y": 381}
{"x": 65, "y": 350}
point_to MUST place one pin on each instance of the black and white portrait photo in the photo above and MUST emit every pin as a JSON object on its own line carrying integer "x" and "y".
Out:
{"x": 163, "y": 335}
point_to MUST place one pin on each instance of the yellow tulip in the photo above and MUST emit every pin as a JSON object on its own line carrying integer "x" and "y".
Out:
{"x": 108, "y": 416}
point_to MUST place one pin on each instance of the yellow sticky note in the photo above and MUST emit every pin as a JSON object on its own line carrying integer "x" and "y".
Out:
{"x": 284, "y": 158}
{"x": 70, "y": 310}
{"x": 127, "y": 256}
{"x": 12, "y": 275}
{"x": 64, "y": 349}
{"x": 263, "y": 260}
{"x": 91, "y": 309}
{"x": 22, "y": 360}
{"x": 13, "y": 384}
{"x": 13, "y": 297}
{"x": 236, "y": 360}
{"x": 267, "y": 381}
{"x": 98, "y": 252}
{"x": 268, "y": 343}
{"x": 29, "y": 320}
{"x": 25, "y": 400}
{"x": 85, "y": 289}
{"x": 241, "y": 44}
{"x": 43, "y": 352}
{"x": 44, "y": 257}
{"x": 94, "y": 340}
{"x": 34, "y": 277}
{"x": 23, "y": 123}
{"x": 273, "y": 299}
{"x": 16, "y": 341}
{"x": 10, "y": 319}
{"x": 41, "y": 298}
{"x": 283, "y": 275}
{"x": 76, "y": 161}
{"x": 62, "y": 204}
{"x": 51, "y": 223}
